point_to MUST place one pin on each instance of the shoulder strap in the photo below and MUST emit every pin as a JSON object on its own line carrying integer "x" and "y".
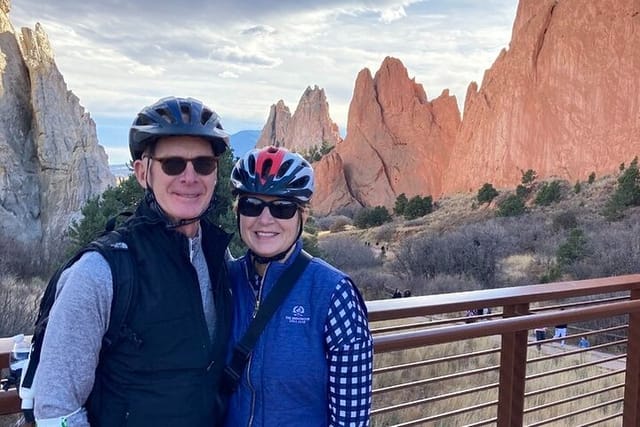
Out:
{"x": 113, "y": 248}
{"x": 244, "y": 347}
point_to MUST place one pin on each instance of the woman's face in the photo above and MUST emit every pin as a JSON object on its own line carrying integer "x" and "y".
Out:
{"x": 265, "y": 234}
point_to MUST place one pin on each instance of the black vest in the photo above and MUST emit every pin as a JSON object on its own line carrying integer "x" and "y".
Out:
{"x": 164, "y": 370}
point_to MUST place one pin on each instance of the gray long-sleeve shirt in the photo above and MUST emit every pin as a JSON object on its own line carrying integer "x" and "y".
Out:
{"x": 79, "y": 319}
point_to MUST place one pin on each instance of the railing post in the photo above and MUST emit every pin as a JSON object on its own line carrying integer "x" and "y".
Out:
{"x": 513, "y": 367}
{"x": 631, "y": 415}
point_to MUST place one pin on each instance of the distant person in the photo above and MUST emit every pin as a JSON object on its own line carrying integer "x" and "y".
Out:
{"x": 541, "y": 334}
{"x": 560, "y": 331}
{"x": 312, "y": 365}
{"x": 583, "y": 343}
{"x": 164, "y": 369}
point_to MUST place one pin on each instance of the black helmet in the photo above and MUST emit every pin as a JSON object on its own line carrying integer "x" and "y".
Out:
{"x": 173, "y": 116}
{"x": 273, "y": 171}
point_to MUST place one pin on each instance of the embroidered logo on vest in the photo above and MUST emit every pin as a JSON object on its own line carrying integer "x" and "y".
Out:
{"x": 297, "y": 315}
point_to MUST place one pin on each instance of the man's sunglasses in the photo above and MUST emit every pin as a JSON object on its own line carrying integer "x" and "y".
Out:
{"x": 172, "y": 166}
{"x": 281, "y": 209}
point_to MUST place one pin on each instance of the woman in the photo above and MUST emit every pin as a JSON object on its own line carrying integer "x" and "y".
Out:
{"x": 312, "y": 364}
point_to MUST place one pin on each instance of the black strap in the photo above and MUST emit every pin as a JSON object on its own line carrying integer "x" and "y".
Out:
{"x": 244, "y": 347}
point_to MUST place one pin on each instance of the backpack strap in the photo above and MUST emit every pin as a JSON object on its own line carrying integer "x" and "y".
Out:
{"x": 112, "y": 247}
{"x": 244, "y": 347}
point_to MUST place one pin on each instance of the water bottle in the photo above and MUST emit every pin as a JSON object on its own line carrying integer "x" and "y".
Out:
{"x": 18, "y": 358}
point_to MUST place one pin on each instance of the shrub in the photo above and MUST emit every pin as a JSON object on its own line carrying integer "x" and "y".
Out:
{"x": 577, "y": 187}
{"x": 529, "y": 177}
{"x": 371, "y": 217}
{"x": 486, "y": 193}
{"x": 18, "y": 304}
{"x": 418, "y": 206}
{"x": 522, "y": 191}
{"x": 592, "y": 178}
{"x": 348, "y": 253}
{"x": 340, "y": 223}
{"x": 573, "y": 249}
{"x": 548, "y": 193}
{"x": 627, "y": 192}
{"x": 511, "y": 206}
{"x": 401, "y": 204}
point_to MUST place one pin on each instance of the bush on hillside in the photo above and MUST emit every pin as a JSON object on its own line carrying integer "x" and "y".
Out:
{"x": 565, "y": 220}
{"x": 573, "y": 249}
{"x": 418, "y": 206}
{"x": 592, "y": 178}
{"x": 627, "y": 193}
{"x": 486, "y": 193}
{"x": 512, "y": 205}
{"x": 549, "y": 192}
{"x": 371, "y": 217}
{"x": 400, "y": 204}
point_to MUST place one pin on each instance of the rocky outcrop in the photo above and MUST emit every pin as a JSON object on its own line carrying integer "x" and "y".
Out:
{"x": 275, "y": 129}
{"x": 50, "y": 160}
{"x": 397, "y": 140}
{"x": 562, "y": 100}
{"x": 309, "y": 128}
{"x": 332, "y": 192}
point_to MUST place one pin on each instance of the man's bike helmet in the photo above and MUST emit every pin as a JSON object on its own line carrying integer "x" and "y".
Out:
{"x": 273, "y": 171}
{"x": 172, "y": 116}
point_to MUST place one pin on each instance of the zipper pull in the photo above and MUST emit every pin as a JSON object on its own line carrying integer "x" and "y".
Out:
{"x": 255, "y": 309}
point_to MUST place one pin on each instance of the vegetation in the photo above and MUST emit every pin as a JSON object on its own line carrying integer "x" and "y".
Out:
{"x": 486, "y": 193}
{"x": 549, "y": 192}
{"x": 371, "y": 217}
{"x": 315, "y": 153}
{"x": 512, "y": 205}
{"x": 418, "y": 206}
{"x": 627, "y": 192}
{"x": 401, "y": 204}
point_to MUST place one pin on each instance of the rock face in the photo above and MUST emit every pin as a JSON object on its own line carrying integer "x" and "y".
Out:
{"x": 309, "y": 127}
{"x": 50, "y": 160}
{"x": 561, "y": 101}
{"x": 397, "y": 140}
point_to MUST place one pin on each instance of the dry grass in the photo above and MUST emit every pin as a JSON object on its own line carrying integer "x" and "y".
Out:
{"x": 440, "y": 381}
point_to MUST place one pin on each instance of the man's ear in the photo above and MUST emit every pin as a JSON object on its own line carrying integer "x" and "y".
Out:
{"x": 140, "y": 170}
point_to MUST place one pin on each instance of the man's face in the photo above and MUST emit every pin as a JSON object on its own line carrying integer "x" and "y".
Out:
{"x": 183, "y": 195}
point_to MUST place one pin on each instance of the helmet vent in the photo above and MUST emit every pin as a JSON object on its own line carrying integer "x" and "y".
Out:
{"x": 165, "y": 115}
{"x": 266, "y": 167}
{"x": 284, "y": 168}
{"x": 251, "y": 165}
{"x": 206, "y": 115}
{"x": 300, "y": 182}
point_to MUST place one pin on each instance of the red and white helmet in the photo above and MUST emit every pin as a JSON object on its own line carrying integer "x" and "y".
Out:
{"x": 273, "y": 171}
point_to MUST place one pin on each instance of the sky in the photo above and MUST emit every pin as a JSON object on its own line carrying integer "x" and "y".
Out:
{"x": 240, "y": 57}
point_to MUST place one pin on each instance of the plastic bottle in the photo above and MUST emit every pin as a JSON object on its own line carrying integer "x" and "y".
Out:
{"x": 18, "y": 357}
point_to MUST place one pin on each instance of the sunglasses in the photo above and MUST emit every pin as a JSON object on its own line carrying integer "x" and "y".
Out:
{"x": 281, "y": 209}
{"x": 172, "y": 166}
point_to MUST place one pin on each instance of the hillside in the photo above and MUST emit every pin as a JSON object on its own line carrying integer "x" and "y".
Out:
{"x": 463, "y": 245}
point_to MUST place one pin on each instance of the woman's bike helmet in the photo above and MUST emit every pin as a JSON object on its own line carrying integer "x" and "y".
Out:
{"x": 273, "y": 171}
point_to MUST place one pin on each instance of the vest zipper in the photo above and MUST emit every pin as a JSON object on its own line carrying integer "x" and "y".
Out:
{"x": 255, "y": 312}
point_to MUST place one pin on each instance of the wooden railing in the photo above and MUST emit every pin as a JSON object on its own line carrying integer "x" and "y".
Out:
{"x": 436, "y": 366}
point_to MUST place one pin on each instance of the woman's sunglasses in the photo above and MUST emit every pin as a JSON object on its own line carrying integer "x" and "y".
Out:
{"x": 281, "y": 209}
{"x": 172, "y": 166}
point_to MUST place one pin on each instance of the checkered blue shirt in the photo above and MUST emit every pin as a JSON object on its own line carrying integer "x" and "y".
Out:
{"x": 349, "y": 357}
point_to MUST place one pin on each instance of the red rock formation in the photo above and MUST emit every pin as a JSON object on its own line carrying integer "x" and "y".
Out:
{"x": 275, "y": 129}
{"x": 563, "y": 100}
{"x": 397, "y": 141}
{"x": 332, "y": 191}
{"x": 309, "y": 127}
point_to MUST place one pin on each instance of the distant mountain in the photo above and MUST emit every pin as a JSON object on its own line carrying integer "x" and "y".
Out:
{"x": 244, "y": 141}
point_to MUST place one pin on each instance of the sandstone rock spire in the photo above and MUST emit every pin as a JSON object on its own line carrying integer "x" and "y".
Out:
{"x": 49, "y": 152}
{"x": 397, "y": 140}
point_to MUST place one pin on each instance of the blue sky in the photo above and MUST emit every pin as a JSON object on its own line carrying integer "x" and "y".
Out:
{"x": 240, "y": 57}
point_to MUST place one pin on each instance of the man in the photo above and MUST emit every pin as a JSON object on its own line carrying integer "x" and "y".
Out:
{"x": 163, "y": 371}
